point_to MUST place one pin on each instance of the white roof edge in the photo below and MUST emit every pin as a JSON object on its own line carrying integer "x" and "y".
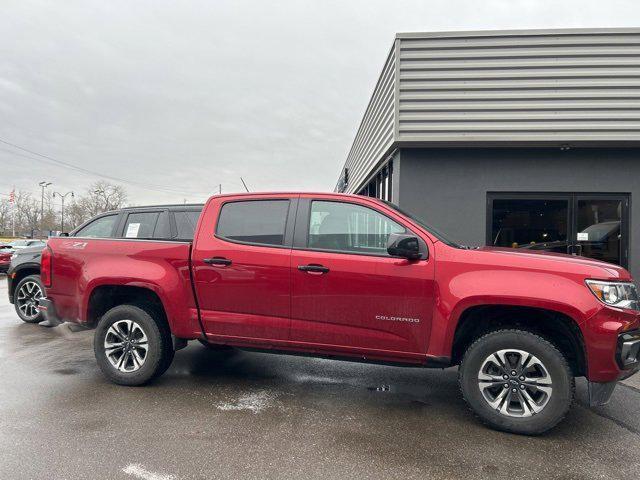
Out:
{"x": 519, "y": 32}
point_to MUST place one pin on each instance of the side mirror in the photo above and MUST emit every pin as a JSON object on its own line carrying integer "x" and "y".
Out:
{"x": 403, "y": 245}
{"x": 64, "y": 234}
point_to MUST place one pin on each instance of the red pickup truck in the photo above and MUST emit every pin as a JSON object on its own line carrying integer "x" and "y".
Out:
{"x": 354, "y": 278}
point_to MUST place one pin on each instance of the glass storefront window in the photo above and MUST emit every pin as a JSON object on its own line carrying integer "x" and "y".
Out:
{"x": 531, "y": 224}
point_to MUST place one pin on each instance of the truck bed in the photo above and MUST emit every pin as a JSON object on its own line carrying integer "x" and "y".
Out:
{"x": 85, "y": 264}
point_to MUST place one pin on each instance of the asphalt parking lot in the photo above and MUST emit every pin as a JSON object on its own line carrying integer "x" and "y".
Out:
{"x": 248, "y": 415}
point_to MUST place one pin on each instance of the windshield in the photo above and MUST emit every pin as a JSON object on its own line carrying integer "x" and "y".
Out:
{"x": 438, "y": 234}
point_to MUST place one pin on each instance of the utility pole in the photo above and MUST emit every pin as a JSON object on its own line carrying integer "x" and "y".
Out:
{"x": 43, "y": 185}
{"x": 62, "y": 197}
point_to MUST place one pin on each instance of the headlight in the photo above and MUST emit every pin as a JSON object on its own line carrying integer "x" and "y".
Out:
{"x": 616, "y": 294}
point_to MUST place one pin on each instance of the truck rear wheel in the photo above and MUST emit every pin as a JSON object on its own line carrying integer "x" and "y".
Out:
{"x": 131, "y": 347}
{"x": 516, "y": 381}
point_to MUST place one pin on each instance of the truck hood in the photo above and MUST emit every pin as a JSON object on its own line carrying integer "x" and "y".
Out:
{"x": 560, "y": 261}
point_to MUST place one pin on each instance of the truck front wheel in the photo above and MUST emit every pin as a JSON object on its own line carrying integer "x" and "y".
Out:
{"x": 131, "y": 347}
{"x": 516, "y": 381}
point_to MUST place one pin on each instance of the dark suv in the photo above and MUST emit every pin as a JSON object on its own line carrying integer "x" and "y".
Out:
{"x": 170, "y": 222}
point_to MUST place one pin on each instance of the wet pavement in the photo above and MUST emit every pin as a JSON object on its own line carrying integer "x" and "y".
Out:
{"x": 249, "y": 415}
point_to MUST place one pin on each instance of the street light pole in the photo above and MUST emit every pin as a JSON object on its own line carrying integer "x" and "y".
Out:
{"x": 43, "y": 185}
{"x": 62, "y": 198}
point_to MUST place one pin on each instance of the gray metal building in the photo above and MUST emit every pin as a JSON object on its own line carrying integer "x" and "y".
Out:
{"x": 525, "y": 139}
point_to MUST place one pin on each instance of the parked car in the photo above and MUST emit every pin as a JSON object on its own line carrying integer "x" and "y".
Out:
{"x": 166, "y": 222}
{"x": 5, "y": 259}
{"x": 353, "y": 277}
{"x": 24, "y": 243}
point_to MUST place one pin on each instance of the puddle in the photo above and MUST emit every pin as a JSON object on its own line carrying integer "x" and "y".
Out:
{"x": 253, "y": 402}
{"x": 381, "y": 388}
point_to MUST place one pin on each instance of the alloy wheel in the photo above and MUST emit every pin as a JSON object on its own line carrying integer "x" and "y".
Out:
{"x": 515, "y": 383}
{"x": 27, "y": 299}
{"x": 126, "y": 346}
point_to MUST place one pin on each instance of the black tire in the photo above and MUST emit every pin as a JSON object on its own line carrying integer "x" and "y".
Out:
{"x": 159, "y": 354}
{"x": 558, "y": 402}
{"x": 19, "y": 304}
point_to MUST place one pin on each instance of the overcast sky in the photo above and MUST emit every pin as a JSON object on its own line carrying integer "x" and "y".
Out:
{"x": 178, "y": 97}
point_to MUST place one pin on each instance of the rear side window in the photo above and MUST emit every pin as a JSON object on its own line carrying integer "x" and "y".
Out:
{"x": 100, "y": 228}
{"x": 186, "y": 222}
{"x": 141, "y": 225}
{"x": 260, "y": 222}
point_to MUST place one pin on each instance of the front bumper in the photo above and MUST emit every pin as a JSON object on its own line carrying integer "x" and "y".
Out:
{"x": 628, "y": 360}
{"x": 48, "y": 310}
{"x": 628, "y": 351}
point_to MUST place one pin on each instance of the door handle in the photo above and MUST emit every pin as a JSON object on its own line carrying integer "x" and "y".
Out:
{"x": 313, "y": 268}
{"x": 217, "y": 261}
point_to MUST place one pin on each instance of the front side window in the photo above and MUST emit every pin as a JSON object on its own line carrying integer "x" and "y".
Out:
{"x": 141, "y": 225}
{"x": 259, "y": 222}
{"x": 100, "y": 228}
{"x": 346, "y": 227}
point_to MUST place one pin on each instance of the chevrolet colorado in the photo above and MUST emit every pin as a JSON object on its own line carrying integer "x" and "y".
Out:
{"x": 352, "y": 277}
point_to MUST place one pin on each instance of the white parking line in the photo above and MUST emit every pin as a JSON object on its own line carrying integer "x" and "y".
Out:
{"x": 139, "y": 471}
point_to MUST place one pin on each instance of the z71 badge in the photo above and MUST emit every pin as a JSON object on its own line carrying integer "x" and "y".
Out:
{"x": 74, "y": 245}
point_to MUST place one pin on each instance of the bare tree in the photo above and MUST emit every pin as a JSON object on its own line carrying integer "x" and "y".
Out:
{"x": 27, "y": 213}
{"x": 5, "y": 216}
{"x": 101, "y": 197}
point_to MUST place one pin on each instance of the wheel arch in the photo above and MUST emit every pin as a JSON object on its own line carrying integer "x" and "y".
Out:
{"x": 22, "y": 272}
{"x": 104, "y": 297}
{"x": 557, "y": 327}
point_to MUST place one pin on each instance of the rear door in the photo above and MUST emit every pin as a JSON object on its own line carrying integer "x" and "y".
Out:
{"x": 347, "y": 292}
{"x": 241, "y": 265}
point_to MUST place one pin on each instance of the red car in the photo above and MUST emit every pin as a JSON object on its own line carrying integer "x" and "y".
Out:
{"x": 5, "y": 259}
{"x": 354, "y": 278}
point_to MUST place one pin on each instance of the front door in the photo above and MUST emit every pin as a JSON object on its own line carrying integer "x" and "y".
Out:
{"x": 590, "y": 225}
{"x": 348, "y": 294}
{"x": 242, "y": 270}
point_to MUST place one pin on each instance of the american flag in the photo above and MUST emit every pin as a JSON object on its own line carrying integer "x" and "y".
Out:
{"x": 12, "y": 195}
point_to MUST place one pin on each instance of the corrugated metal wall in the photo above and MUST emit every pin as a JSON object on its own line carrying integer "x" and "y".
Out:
{"x": 375, "y": 134}
{"x": 551, "y": 87}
